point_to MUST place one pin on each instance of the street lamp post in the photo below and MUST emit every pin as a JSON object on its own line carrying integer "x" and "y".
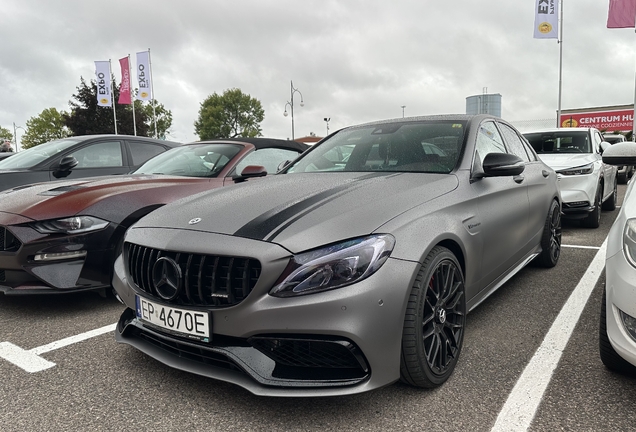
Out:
{"x": 327, "y": 121}
{"x": 403, "y": 106}
{"x": 15, "y": 135}
{"x": 291, "y": 105}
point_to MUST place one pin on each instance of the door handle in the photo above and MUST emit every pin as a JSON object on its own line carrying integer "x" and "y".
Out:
{"x": 545, "y": 173}
{"x": 519, "y": 178}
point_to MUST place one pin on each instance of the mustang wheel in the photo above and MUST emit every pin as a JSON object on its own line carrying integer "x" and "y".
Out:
{"x": 609, "y": 356}
{"x": 434, "y": 323}
{"x": 551, "y": 238}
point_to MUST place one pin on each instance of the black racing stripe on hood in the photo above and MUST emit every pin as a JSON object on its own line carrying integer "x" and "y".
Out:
{"x": 259, "y": 227}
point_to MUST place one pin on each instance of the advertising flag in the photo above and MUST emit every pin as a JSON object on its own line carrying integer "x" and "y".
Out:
{"x": 622, "y": 14}
{"x": 143, "y": 75}
{"x": 124, "y": 88}
{"x": 102, "y": 70}
{"x": 546, "y": 19}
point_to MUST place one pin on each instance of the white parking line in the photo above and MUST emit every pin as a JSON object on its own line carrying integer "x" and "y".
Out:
{"x": 31, "y": 361}
{"x": 580, "y": 247}
{"x": 523, "y": 402}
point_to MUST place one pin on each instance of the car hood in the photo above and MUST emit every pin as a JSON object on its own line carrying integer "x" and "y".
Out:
{"x": 304, "y": 210}
{"x": 63, "y": 198}
{"x": 569, "y": 160}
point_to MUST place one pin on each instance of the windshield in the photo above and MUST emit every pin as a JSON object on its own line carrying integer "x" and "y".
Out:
{"x": 426, "y": 146}
{"x": 194, "y": 160}
{"x": 33, "y": 156}
{"x": 560, "y": 142}
{"x": 614, "y": 139}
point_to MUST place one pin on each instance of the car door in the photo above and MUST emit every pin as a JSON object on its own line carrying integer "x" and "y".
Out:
{"x": 97, "y": 158}
{"x": 539, "y": 181}
{"x": 503, "y": 210}
{"x": 609, "y": 171}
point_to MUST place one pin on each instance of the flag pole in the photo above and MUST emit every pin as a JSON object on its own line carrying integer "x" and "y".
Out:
{"x": 634, "y": 113}
{"x": 152, "y": 90}
{"x": 112, "y": 95}
{"x": 132, "y": 99}
{"x": 560, "y": 42}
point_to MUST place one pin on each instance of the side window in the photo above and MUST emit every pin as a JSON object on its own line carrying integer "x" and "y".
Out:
{"x": 598, "y": 139}
{"x": 103, "y": 154}
{"x": 488, "y": 141}
{"x": 514, "y": 142}
{"x": 142, "y": 151}
{"x": 270, "y": 158}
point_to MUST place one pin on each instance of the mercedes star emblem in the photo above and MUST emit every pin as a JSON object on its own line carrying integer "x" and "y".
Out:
{"x": 166, "y": 277}
{"x": 194, "y": 221}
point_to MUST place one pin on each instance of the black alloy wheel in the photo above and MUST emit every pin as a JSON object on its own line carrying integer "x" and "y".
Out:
{"x": 434, "y": 324}
{"x": 551, "y": 237}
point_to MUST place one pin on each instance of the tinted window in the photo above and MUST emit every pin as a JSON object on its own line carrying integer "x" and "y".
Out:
{"x": 514, "y": 142}
{"x": 30, "y": 157}
{"x": 426, "y": 146}
{"x": 141, "y": 151}
{"x": 103, "y": 154}
{"x": 560, "y": 142}
{"x": 270, "y": 158}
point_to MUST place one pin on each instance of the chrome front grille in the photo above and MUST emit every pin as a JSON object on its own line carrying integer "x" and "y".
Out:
{"x": 8, "y": 242}
{"x": 205, "y": 280}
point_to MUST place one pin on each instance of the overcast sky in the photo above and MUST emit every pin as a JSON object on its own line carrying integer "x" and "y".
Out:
{"x": 353, "y": 60}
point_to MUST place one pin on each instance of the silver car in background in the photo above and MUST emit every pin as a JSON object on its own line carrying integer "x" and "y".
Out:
{"x": 587, "y": 184}
{"x": 352, "y": 268}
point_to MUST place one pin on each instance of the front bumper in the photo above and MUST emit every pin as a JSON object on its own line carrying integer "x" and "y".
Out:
{"x": 620, "y": 296}
{"x": 360, "y": 324}
{"x": 21, "y": 274}
{"x": 578, "y": 193}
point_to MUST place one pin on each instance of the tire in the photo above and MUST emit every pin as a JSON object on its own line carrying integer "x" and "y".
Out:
{"x": 593, "y": 220}
{"x": 610, "y": 204}
{"x": 622, "y": 178}
{"x": 433, "y": 332}
{"x": 609, "y": 356}
{"x": 551, "y": 238}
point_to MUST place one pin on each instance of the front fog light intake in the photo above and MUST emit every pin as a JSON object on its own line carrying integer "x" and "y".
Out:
{"x": 334, "y": 266}
{"x": 629, "y": 324}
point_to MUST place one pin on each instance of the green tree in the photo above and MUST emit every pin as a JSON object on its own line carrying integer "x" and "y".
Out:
{"x": 5, "y": 134}
{"x": 232, "y": 114}
{"x": 164, "y": 118}
{"x": 86, "y": 118}
{"x": 47, "y": 126}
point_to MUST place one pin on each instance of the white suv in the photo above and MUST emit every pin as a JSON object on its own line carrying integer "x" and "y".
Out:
{"x": 586, "y": 183}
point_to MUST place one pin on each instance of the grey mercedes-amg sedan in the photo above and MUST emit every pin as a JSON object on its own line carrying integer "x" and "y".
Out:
{"x": 350, "y": 269}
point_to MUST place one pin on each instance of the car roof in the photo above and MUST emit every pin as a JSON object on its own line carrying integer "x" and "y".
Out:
{"x": 80, "y": 138}
{"x": 565, "y": 129}
{"x": 260, "y": 143}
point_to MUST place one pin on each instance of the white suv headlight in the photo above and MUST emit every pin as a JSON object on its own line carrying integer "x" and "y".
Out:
{"x": 585, "y": 169}
{"x": 334, "y": 266}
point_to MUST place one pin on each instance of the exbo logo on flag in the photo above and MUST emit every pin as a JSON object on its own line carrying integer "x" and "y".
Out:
{"x": 102, "y": 71}
{"x": 143, "y": 76}
{"x": 546, "y": 20}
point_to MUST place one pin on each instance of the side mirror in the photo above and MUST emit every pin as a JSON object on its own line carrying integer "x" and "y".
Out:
{"x": 604, "y": 146}
{"x": 623, "y": 153}
{"x": 65, "y": 166}
{"x": 502, "y": 164}
{"x": 249, "y": 172}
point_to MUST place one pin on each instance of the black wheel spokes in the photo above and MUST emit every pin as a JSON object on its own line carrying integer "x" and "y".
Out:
{"x": 555, "y": 234}
{"x": 443, "y": 320}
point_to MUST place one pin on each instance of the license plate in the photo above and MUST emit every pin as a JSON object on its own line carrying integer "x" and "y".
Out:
{"x": 182, "y": 322}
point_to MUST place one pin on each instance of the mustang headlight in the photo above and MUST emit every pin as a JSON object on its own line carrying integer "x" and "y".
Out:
{"x": 334, "y": 266}
{"x": 629, "y": 241}
{"x": 71, "y": 225}
{"x": 586, "y": 169}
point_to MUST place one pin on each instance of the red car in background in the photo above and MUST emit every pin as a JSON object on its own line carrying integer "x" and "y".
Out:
{"x": 64, "y": 236}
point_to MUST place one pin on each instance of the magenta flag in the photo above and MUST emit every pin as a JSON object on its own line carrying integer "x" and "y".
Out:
{"x": 124, "y": 88}
{"x": 622, "y": 14}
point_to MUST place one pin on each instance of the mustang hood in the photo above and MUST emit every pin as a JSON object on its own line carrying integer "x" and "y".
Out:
{"x": 63, "y": 198}
{"x": 570, "y": 160}
{"x": 301, "y": 211}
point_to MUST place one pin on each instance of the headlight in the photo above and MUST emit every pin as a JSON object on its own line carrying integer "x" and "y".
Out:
{"x": 629, "y": 241}
{"x": 72, "y": 225}
{"x": 334, "y": 266}
{"x": 586, "y": 169}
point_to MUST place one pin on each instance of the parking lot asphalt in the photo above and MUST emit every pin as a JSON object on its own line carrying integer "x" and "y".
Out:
{"x": 97, "y": 384}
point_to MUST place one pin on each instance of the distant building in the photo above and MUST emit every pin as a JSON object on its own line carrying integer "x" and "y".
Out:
{"x": 484, "y": 104}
